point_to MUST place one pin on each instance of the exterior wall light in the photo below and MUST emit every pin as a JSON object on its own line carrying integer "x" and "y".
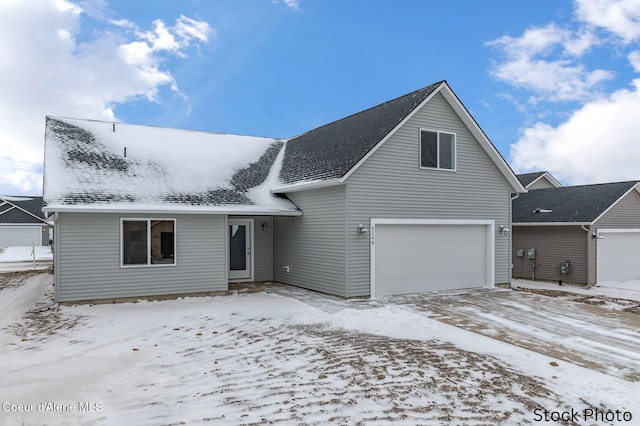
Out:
{"x": 362, "y": 229}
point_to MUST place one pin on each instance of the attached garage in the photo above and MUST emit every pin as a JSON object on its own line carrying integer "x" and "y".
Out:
{"x": 412, "y": 256}
{"x": 618, "y": 253}
{"x": 16, "y": 235}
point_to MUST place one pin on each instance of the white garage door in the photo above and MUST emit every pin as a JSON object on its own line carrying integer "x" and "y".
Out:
{"x": 20, "y": 235}
{"x": 618, "y": 256}
{"x": 417, "y": 256}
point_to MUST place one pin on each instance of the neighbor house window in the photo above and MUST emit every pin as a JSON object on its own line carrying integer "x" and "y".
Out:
{"x": 437, "y": 150}
{"x": 148, "y": 242}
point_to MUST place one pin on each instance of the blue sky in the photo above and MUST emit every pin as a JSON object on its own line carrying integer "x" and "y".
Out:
{"x": 552, "y": 83}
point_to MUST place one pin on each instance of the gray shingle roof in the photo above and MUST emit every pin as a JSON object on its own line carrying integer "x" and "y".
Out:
{"x": 528, "y": 178}
{"x": 580, "y": 204}
{"x": 32, "y": 205}
{"x": 330, "y": 151}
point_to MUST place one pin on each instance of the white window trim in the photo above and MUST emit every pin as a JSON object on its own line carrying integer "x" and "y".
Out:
{"x": 455, "y": 150}
{"x": 148, "y": 264}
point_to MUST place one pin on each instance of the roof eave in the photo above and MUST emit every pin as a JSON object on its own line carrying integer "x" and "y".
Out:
{"x": 551, "y": 223}
{"x": 305, "y": 186}
{"x": 189, "y": 210}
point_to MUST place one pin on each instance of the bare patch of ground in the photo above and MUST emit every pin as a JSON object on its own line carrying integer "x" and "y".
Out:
{"x": 15, "y": 279}
{"x": 626, "y": 305}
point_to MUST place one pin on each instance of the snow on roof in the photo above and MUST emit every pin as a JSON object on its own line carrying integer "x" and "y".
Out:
{"x": 98, "y": 165}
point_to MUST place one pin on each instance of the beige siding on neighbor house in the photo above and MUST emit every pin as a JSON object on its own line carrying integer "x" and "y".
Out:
{"x": 553, "y": 244}
{"x": 89, "y": 261}
{"x": 541, "y": 183}
{"x": 313, "y": 245}
{"x": 391, "y": 184}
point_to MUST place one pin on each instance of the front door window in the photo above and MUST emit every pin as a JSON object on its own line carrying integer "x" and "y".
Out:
{"x": 240, "y": 249}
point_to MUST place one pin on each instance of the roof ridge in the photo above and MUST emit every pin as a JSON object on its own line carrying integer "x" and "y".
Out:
{"x": 369, "y": 109}
{"x": 181, "y": 129}
{"x": 629, "y": 182}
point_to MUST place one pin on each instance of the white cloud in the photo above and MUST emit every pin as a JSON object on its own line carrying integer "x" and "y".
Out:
{"x": 527, "y": 64}
{"x": 292, "y": 4}
{"x": 634, "y": 60}
{"x": 598, "y": 143}
{"x": 45, "y": 70}
{"x": 620, "y": 17}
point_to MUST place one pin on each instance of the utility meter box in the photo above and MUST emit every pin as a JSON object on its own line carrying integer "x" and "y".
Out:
{"x": 531, "y": 253}
{"x": 520, "y": 253}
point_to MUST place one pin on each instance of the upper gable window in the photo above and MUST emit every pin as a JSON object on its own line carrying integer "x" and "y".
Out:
{"x": 437, "y": 150}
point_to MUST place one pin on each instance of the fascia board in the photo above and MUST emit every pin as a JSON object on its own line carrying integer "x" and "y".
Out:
{"x": 304, "y": 186}
{"x": 553, "y": 181}
{"x": 551, "y": 223}
{"x": 635, "y": 187}
{"x": 234, "y": 212}
{"x": 485, "y": 143}
{"x": 388, "y": 135}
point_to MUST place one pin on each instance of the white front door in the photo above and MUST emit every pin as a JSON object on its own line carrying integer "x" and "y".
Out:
{"x": 240, "y": 249}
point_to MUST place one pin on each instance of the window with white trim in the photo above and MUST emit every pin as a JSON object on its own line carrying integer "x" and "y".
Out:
{"x": 148, "y": 242}
{"x": 437, "y": 150}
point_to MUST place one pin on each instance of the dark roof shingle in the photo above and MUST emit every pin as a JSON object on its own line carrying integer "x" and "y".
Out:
{"x": 528, "y": 178}
{"x": 580, "y": 204}
{"x": 330, "y": 151}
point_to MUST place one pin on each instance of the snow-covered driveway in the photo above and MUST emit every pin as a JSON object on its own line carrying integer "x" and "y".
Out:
{"x": 579, "y": 331}
{"x": 276, "y": 356}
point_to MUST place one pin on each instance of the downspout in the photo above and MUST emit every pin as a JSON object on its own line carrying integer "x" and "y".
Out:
{"x": 513, "y": 197}
{"x": 588, "y": 253}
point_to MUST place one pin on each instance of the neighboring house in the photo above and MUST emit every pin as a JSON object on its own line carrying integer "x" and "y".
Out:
{"x": 22, "y": 222}
{"x": 539, "y": 180}
{"x": 404, "y": 197}
{"x": 596, "y": 228}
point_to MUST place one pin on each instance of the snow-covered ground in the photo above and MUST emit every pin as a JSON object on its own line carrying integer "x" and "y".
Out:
{"x": 267, "y": 358}
{"x": 18, "y": 258}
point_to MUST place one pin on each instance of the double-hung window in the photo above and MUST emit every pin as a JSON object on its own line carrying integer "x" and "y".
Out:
{"x": 148, "y": 242}
{"x": 437, "y": 150}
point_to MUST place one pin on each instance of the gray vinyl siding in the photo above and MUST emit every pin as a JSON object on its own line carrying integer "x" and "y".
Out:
{"x": 553, "y": 244}
{"x": 263, "y": 247}
{"x": 313, "y": 245}
{"x": 391, "y": 184}
{"x": 88, "y": 263}
{"x": 541, "y": 183}
{"x": 624, "y": 214}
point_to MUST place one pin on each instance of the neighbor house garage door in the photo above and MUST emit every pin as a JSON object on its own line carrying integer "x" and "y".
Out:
{"x": 425, "y": 255}
{"x": 20, "y": 235}
{"x": 618, "y": 254}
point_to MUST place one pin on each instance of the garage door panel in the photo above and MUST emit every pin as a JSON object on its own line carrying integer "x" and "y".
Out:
{"x": 617, "y": 256}
{"x": 418, "y": 258}
{"x": 20, "y": 236}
